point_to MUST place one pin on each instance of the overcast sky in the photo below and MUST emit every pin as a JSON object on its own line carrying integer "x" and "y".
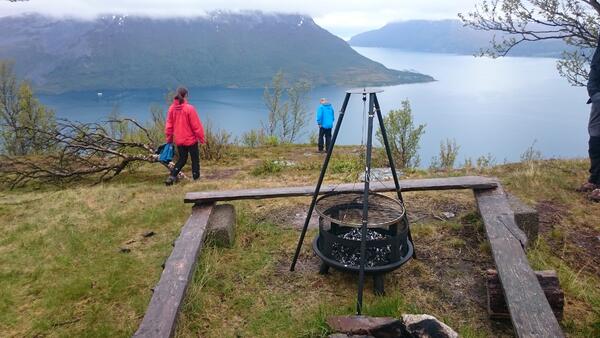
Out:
{"x": 342, "y": 17}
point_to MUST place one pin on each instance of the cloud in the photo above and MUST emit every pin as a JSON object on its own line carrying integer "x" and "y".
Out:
{"x": 346, "y": 15}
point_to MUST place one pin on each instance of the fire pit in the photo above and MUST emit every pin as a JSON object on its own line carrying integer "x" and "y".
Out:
{"x": 338, "y": 243}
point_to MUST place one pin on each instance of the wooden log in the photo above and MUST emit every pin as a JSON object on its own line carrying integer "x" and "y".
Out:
{"x": 548, "y": 281}
{"x": 464, "y": 182}
{"x": 530, "y": 312}
{"x": 161, "y": 314}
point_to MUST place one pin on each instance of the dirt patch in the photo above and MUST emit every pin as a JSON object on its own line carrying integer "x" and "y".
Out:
{"x": 550, "y": 214}
{"x": 288, "y": 216}
{"x": 221, "y": 174}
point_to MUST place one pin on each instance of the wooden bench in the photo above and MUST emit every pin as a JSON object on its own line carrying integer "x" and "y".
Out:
{"x": 530, "y": 312}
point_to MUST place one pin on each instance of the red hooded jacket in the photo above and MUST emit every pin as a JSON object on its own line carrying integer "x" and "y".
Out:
{"x": 183, "y": 123}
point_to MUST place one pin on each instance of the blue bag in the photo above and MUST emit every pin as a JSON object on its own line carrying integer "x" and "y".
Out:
{"x": 166, "y": 155}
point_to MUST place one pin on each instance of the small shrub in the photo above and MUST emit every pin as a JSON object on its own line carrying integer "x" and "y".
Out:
{"x": 313, "y": 138}
{"x": 467, "y": 164}
{"x": 486, "y": 161}
{"x": 217, "y": 143}
{"x": 268, "y": 167}
{"x": 345, "y": 166}
{"x": 403, "y": 136}
{"x": 448, "y": 153}
{"x": 531, "y": 154}
{"x": 271, "y": 141}
{"x": 253, "y": 138}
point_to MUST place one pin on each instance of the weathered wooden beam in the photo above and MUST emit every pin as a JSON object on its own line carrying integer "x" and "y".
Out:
{"x": 530, "y": 312}
{"x": 464, "y": 182}
{"x": 549, "y": 282}
{"x": 161, "y": 314}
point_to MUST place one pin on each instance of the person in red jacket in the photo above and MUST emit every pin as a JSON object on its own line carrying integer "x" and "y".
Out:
{"x": 185, "y": 128}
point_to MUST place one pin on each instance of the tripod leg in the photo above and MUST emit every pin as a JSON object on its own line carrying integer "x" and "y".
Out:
{"x": 365, "y": 212}
{"x": 320, "y": 181}
{"x": 388, "y": 150}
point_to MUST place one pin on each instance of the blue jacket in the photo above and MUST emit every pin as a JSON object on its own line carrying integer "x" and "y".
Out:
{"x": 325, "y": 116}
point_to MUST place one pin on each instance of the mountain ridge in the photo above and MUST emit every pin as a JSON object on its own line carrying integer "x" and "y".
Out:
{"x": 446, "y": 36}
{"x": 219, "y": 50}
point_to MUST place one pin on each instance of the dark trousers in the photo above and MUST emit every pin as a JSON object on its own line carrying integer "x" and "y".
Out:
{"x": 324, "y": 134}
{"x": 183, "y": 152}
{"x": 594, "y": 151}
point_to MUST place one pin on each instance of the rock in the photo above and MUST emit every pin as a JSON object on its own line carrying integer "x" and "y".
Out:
{"x": 448, "y": 214}
{"x": 380, "y": 174}
{"x": 148, "y": 234}
{"x": 384, "y": 327}
{"x": 221, "y": 226}
{"x": 125, "y": 250}
{"x": 285, "y": 163}
{"x": 426, "y": 326}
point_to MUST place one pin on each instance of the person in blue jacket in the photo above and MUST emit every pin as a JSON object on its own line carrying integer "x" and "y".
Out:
{"x": 325, "y": 118}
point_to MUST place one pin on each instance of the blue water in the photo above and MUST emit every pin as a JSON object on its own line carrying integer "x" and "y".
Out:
{"x": 491, "y": 106}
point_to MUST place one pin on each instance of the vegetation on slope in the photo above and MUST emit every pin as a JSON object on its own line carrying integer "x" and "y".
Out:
{"x": 63, "y": 273}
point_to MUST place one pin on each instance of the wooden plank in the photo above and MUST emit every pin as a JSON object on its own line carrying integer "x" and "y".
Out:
{"x": 161, "y": 314}
{"x": 464, "y": 182}
{"x": 530, "y": 312}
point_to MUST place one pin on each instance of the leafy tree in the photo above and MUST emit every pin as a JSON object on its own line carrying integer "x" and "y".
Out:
{"x": 576, "y": 22}
{"x": 24, "y": 121}
{"x": 273, "y": 97}
{"x": 403, "y": 136}
{"x": 287, "y": 108}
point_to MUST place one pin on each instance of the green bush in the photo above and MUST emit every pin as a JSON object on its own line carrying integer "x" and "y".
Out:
{"x": 268, "y": 167}
{"x": 447, "y": 157}
{"x": 217, "y": 143}
{"x": 271, "y": 141}
{"x": 253, "y": 138}
{"x": 486, "y": 161}
{"x": 403, "y": 136}
{"x": 346, "y": 165}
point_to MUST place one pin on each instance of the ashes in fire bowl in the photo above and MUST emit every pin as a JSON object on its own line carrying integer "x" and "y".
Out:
{"x": 338, "y": 243}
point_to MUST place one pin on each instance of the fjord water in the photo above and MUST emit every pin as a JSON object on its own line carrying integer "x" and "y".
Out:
{"x": 490, "y": 106}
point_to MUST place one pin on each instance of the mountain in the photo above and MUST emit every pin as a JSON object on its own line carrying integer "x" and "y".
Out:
{"x": 446, "y": 36}
{"x": 221, "y": 49}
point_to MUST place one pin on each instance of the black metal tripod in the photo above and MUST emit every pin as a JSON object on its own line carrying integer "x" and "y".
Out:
{"x": 373, "y": 109}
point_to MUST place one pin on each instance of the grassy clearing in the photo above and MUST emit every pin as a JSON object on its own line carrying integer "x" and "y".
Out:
{"x": 62, "y": 272}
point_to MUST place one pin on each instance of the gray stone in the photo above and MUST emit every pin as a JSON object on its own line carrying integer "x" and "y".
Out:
{"x": 221, "y": 226}
{"x": 426, "y": 326}
{"x": 448, "y": 214}
{"x": 379, "y": 174}
{"x": 526, "y": 217}
{"x": 384, "y": 327}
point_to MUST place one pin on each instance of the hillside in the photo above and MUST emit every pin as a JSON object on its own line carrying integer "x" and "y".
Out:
{"x": 65, "y": 271}
{"x": 219, "y": 50}
{"x": 445, "y": 36}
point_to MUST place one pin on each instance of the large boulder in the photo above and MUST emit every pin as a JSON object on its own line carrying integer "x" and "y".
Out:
{"x": 426, "y": 326}
{"x": 410, "y": 326}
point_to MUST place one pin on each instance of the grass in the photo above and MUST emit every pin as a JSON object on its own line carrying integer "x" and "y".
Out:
{"x": 63, "y": 274}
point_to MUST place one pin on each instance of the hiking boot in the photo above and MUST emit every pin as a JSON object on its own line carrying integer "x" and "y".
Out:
{"x": 587, "y": 187}
{"x": 170, "y": 180}
{"x": 595, "y": 195}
